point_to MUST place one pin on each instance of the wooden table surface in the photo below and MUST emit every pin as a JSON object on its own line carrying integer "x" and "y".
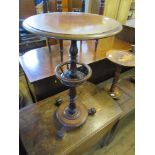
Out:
{"x": 38, "y": 125}
{"x": 72, "y": 25}
{"x": 123, "y": 58}
{"x": 39, "y": 64}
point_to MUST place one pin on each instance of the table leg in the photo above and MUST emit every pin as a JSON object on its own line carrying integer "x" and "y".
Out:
{"x": 61, "y": 50}
{"x": 96, "y": 43}
{"x": 48, "y": 44}
{"x": 114, "y": 92}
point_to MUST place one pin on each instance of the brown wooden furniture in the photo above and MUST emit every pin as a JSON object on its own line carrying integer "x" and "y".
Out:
{"x": 40, "y": 71}
{"x": 47, "y": 84}
{"x": 127, "y": 98}
{"x": 72, "y": 26}
{"x": 60, "y": 8}
{"x": 120, "y": 58}
{"x": 38, "y": 64}
{"x": 38, "y": 126}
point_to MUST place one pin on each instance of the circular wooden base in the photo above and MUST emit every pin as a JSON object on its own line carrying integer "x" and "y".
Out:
{"x": 74, "y": 120}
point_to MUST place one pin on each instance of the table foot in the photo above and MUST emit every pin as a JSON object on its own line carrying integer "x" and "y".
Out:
{"x": 74, "y": 120}
{"x": 58, "y": 102}
{"x": 91, "y": 111}
{"x": 60, "y": 133}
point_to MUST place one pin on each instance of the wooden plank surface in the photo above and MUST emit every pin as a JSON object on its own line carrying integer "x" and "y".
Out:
{"x": 38, "y": 125}
{"x": 72, "y": 25}
{"x": 39, "y": 63}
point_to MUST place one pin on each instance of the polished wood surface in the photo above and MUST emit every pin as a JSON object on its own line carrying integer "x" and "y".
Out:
{"x": 39, "y": 64}
{"x": 72, "y": 25}
{"x": 124, "y": 58}
{"x": 38, "y": 125}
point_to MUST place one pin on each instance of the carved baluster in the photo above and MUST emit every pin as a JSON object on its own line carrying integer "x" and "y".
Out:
{"x": 72, "y": 91}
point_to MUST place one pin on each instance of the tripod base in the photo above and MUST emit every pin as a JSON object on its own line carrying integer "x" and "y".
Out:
{"x": 72, "y": 120}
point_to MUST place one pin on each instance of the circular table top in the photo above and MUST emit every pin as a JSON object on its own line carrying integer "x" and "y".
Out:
{"x": 123, "y": 58}
{"x": 72, "y": 25}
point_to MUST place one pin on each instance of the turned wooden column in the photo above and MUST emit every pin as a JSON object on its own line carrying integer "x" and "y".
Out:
{"x": 61, "y": 50}
{"x": 73, "y": 113}
{"x": 116, "y": 78}
{"x": 73, "y": 55}
{"x": 72, "y": 90}
{"x": 72, "y": 105}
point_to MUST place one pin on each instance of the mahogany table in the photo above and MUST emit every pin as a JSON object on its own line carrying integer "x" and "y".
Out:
{"x": 72, "y": 26}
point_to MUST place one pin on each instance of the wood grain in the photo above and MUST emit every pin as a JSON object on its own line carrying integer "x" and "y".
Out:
{"x": 38, "y": 125}
{"x": 123, "y": 58}
{"x": 39, "y": 64}
{"x": 72, "y": 25}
